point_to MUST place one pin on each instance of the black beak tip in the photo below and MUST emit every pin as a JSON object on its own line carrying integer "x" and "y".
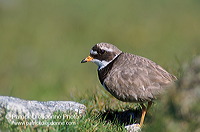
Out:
{"x": 83, "y": 61}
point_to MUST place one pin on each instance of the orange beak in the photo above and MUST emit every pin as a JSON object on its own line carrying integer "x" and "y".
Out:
{"x": 89, "y": 58}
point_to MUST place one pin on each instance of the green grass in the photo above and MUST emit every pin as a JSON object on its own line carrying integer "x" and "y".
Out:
{"x": 42, "y": 44}
{"x": 94, "y": 120}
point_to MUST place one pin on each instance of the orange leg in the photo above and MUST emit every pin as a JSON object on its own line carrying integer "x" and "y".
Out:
{"x": 144, "y": 111}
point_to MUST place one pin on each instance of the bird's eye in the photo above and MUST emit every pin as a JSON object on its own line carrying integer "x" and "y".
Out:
{"x": 102, "y": 51}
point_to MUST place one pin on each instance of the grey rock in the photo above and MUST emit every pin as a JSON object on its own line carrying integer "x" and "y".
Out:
{"x": 133, "y": 128}
{"x": 13, "y": 109}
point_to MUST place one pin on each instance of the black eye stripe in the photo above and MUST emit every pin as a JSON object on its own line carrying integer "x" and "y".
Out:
{"x": 101, "y": 51}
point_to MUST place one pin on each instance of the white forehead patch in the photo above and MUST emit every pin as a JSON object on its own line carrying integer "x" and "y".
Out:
{"x": 93, "y": 52}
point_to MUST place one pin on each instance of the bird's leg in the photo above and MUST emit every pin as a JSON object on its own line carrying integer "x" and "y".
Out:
{"x": 144, "y": 111}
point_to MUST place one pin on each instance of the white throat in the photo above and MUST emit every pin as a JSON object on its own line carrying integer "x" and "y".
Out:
{"x": 103, "y": 63}
{"x": 100, "y": 64}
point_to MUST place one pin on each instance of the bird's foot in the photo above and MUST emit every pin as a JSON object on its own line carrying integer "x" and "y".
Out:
{"x": 133, "y": 128}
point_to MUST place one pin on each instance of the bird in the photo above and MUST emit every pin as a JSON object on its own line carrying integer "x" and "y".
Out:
{"x": 129, "y": 77}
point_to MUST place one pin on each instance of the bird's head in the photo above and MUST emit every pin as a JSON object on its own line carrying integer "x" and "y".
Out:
{"x": 102, "y": 54}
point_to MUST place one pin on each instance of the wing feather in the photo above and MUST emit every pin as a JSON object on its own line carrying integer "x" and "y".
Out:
{"x": 135, "y": 78}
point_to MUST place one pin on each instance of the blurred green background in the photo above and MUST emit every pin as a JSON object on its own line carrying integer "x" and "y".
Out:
{"x": 42, "y": 42}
